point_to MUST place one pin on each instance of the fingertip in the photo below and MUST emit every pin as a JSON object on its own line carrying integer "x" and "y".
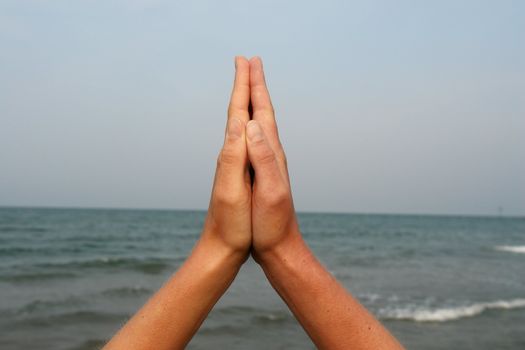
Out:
{"x": 256, "y": 71}
{"x": 240, "y": 60}
{"x": 256, "y": 61}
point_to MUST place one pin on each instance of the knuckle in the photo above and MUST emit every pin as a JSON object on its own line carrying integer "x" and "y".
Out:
{"x": 277, "y": 197}
{"x": 266, "y": 110}
{"x": 236, "y": 110}
{"x": 228, "y": 156}
{"x": 228, "y": 198}
{"x": 266, "y": 157}
{"x": 263, "y": 153}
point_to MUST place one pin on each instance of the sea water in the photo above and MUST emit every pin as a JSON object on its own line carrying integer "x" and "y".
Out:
{"x": 69, "y": 278}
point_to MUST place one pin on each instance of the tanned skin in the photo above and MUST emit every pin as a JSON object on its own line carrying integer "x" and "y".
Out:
{"x": 251, "y": 212}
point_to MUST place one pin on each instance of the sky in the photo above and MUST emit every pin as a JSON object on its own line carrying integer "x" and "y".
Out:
{"x": 382, "y": 106}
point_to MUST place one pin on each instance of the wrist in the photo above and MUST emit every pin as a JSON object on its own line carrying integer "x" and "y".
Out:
{"x": 291, "y": 248}
{"x": 213, "y": 249}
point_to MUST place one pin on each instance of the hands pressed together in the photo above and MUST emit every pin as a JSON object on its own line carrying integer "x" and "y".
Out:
{"x": 251, "y": 212}
{"x": 258, "y": 218}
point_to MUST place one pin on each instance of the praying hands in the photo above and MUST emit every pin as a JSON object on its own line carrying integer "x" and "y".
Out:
{"x": 251, "y": 212}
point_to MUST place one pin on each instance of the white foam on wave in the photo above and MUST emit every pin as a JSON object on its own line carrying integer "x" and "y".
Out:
{"x": 512, "y": 248}
{"x": 449, "y": 313}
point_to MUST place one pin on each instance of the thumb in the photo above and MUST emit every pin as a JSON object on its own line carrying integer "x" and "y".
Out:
{"x": 262, "y": 157}
{"x": 231, "y": 165}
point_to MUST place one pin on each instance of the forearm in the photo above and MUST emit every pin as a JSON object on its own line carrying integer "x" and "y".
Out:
{"x": 173, "y": 315}
{"x": 329, "y": 314}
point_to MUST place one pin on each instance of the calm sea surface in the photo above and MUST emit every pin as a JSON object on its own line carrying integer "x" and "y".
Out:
{"x": 69, "y": 278}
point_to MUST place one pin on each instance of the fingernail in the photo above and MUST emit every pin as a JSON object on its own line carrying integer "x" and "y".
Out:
{"x": 234, "y": 128}
{"x": 254, "y": 131}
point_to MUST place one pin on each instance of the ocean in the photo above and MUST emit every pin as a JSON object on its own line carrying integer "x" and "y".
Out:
{"x": 69, "y": 278}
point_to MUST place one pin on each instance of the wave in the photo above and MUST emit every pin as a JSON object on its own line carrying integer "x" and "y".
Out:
{"x": 91, "y": 344}
{"x": 255, "y": 314}
{"x": 15, "y": 251}
{"x": 512, "y": 248}
{"x": 127, "y": 291}
{"x": 23, "y": 229}
{"x": 224, "y": 330}
{"x": 147, "y": 266}
{"x": 36, "y": 276}
{"x": 276, "y": 317}
{"x": 449, "y": 313}
{"x": 74, "y": 317}
{"x": 75, "y": 268}
{"x": 152, "y": 265}
{"x": 237, "y": 310}
{"x": 44, "y": 307}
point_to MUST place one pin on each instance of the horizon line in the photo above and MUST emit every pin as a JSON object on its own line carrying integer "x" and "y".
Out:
{"x": 493, "y": 216}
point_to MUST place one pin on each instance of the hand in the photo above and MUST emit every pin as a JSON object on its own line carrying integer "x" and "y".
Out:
{"x": 261, "y": 217}
{"x": 173, "y": 315}
{"x": 229, "y": 214}
{"x": 273, "y": 216}
{"x": 335, "y": 320}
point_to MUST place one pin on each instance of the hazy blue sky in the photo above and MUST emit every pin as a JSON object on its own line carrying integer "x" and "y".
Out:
{"x": 383, "y": 106}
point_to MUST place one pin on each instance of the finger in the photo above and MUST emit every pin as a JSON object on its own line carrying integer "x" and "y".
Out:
{"x": 263, "y": 112}
{"x": 230, "y": 178}
{"x": 240, "y": 98}
{"x": 261, "y": 103}
{"x": 267, "y": 173}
